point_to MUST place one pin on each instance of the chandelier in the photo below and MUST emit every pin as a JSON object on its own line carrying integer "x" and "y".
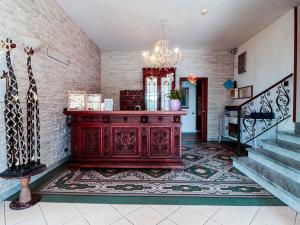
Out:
{"x": 161, "y": 56}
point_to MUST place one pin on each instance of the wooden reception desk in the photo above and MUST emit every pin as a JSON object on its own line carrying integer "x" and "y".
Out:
{"x": 126, "y": 139}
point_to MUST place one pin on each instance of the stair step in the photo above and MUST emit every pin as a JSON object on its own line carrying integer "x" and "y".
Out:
{"x": 283, "y": 148}
{"x": 282, "y": 187}
{"x": 290, "y": 136}
{"x": 283, "y": 165}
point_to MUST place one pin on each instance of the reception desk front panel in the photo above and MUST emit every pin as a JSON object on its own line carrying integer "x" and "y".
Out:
{"x": 126, "y": 139}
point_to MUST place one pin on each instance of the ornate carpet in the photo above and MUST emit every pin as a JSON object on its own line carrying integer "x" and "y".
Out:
{"x": 208, "y": 172}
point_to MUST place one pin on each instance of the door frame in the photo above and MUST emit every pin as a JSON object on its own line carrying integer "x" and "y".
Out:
{"x": 205, "y": 105}
{"x": 158, "y": 73}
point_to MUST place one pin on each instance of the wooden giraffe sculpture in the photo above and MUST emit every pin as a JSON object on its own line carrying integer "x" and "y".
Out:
{"x": 17, "y": 157}
{"x": 33, "y": 120}
{"x": 8, "y": 121}
{"x": 22, "y": 163}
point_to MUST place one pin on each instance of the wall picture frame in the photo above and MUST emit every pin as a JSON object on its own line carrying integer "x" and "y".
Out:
{"x": 76, "y": 100}
{"x": 245, "y": 92}
{"x": 242, "y": 63}
{"x": 108, "y": 104}
{"x": 93, "y": 102}
{"x": 185, "y": 98}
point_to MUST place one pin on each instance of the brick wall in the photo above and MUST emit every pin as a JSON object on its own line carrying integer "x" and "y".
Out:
{"x": 50, "y": 24}
{"x": 123, "y": 70}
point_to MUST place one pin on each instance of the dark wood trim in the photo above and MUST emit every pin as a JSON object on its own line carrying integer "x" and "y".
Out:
{"x": 205, "y": 105}
{"x": 159, "y": 73}
{"x": 295, "y": 61}
{"x": 203, "y": 137}
{"x": 121, "y": 113}
{"x": 243, "y": 88}
{"x": 232, "y": 108}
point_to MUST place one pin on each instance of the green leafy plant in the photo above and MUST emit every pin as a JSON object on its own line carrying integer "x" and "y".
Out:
{"x": 175, "y": 95}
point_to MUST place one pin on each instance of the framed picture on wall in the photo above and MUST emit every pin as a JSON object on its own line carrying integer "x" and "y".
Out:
{"x": 76, "y": 100}
{"x": 242, "y": 63}
{"x": 185, "y": 98}
{"x": 108, "y": 104}
{"x": 246, "y": 92}
{"x": 93, "y": 101}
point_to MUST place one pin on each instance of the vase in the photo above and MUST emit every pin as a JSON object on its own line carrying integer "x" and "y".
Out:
{"x": 175, "y": 105}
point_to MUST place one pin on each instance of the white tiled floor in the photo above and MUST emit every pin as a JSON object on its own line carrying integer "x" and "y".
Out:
{"x": 103, "y": 214}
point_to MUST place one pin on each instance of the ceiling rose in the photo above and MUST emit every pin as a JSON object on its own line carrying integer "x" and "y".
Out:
{"x": 204, "y": 12}
{"x": 161, "y": 56}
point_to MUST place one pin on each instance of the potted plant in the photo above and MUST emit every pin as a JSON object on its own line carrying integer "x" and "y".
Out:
{"x": 175, "y": 100}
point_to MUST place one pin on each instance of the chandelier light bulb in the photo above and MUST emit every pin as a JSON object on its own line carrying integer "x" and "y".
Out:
{"x": 161, "y": 56}
{"x": 152, "y": 58}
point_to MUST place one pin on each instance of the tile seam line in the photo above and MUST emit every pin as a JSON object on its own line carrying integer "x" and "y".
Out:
{"x": 123, "y": 216}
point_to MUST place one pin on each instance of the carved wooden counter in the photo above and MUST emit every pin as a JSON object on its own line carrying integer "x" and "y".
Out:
{"x": 126, "y": 139}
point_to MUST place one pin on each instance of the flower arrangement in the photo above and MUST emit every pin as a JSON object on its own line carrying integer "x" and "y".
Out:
{"x": 175, "y": 95}
{"x": 175, "y": 100}
{"x": 192, "y": 79}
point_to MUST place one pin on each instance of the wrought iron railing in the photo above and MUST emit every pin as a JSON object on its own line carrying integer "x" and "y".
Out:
{"x": 264, "y": 111}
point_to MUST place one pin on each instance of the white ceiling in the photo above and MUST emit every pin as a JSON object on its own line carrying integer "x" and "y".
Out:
{"x": 135, "y": 24}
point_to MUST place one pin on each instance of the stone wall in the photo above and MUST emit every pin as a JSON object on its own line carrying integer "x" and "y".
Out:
{"x": 123, "y": 70}
{"x": 46, "y": 20}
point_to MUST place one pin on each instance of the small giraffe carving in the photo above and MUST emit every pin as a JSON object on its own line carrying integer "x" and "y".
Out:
{"x": 17, "y": 157}
{"x": 33, "y": 120}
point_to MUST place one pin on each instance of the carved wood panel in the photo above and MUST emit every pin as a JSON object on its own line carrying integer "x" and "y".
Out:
{"x": 144, "y": 142}
{"x": 90, "y": 119}
{"x": 90, "y": 141}
{"x": 74, "y": 138}
{"x": 125, "y": 119}
{"x": 106, "y": 141}
{"x": 160, "y": 141}
{"x": 125, "y": 141}
{"x": 160, "y": 119}
{"x": 177, "y": 143}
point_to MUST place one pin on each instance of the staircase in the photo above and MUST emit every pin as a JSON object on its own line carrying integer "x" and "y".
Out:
{"x": 276, "y": 164}
{"x": 276, "y": 167}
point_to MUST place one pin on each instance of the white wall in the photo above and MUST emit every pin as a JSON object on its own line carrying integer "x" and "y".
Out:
{"x": 123, "y": 70}
{"x": 189, "y": 121}
{"x": 270, "y": 57}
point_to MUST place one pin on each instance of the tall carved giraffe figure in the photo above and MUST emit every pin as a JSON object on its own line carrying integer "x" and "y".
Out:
{"x": 17, "y": 157}
{"x": 33, "y": 120}
{"x": 8, "y": 121}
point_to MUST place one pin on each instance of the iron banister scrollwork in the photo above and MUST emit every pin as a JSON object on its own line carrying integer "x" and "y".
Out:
{"x": 264, "y": 111}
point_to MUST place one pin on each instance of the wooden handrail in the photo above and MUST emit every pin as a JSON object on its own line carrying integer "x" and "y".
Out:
{"x": 256, "y": 96}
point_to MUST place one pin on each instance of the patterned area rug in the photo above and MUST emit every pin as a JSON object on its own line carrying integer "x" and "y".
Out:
{"x": 207, "y": 172}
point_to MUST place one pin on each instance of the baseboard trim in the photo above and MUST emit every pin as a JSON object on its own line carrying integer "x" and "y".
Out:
{"x": 16, "y": 188}
{"x": 174, "y": 200}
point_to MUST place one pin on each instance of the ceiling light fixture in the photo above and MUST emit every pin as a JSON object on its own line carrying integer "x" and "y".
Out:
{"x": 204, "y": 12}
{"x": 161, "y": 56}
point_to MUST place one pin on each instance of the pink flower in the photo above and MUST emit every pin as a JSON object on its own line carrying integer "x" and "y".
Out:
{"x": 192, "y": 79}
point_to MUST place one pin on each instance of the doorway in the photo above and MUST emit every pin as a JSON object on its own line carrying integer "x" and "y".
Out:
{"x": 195, "y": 102}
